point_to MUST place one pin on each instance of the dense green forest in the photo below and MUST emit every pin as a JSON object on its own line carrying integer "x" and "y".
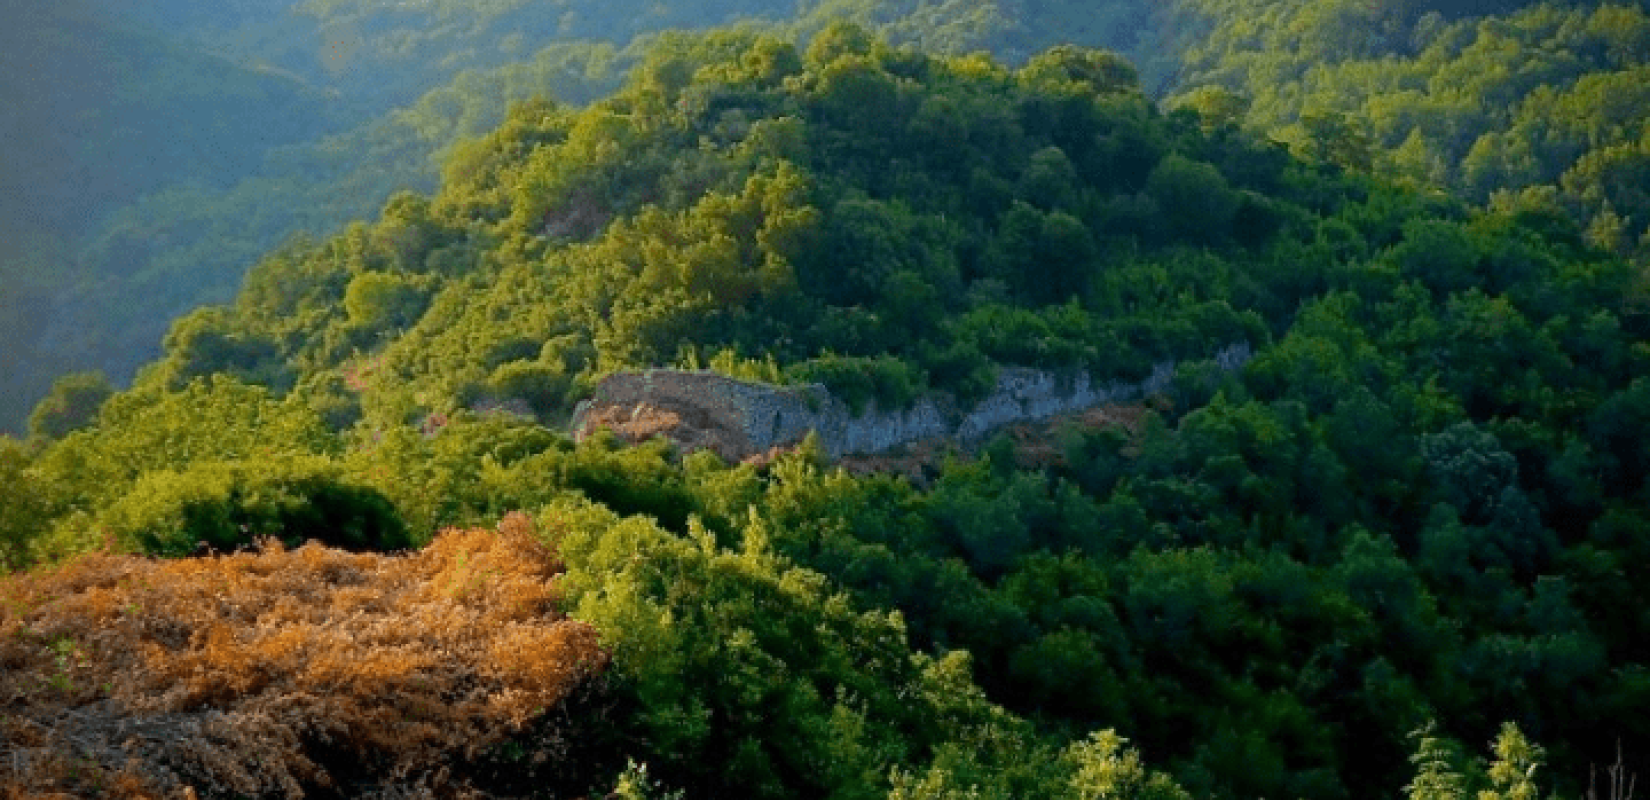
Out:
{"x": 1485, "y": 99}
{"x": 1401, "y": 553}
{"x": 1543, "y": 98}
{"x": 414, "y": 78}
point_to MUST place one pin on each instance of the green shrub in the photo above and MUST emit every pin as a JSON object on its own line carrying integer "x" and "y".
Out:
{"x": 72, "y": 405}
{"x": 858, "y": 380}
{"x": 227, "y": 504}
{"x": 23, "y": 511}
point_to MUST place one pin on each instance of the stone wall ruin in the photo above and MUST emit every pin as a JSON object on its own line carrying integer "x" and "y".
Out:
{"x": 739, "y": 419}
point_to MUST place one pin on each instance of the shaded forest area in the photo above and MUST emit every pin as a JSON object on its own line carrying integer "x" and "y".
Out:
{"x": 1401, "y": 553}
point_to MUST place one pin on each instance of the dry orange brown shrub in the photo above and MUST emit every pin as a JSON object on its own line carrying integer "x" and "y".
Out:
{"x": 285, "y": 672}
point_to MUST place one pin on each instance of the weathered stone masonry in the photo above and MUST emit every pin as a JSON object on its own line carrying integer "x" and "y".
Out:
{"x": 750, "y": 418}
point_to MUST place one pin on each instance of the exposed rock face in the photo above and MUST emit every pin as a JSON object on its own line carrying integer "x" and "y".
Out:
{"x": 739, "y": 419}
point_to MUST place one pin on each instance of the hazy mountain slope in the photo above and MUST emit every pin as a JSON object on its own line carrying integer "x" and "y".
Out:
{"x": 97, "y": 115}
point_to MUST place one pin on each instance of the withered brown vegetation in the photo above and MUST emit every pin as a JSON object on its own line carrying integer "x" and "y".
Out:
{"x": 306, "y": 672}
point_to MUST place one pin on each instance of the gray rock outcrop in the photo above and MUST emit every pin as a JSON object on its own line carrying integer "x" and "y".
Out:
{"x": 742, "y": 418}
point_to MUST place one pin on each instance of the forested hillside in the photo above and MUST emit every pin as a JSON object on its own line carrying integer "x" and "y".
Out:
{"x": 1402, "y": 546}
{"x": 437, "y": 73}
{"x": 1480, "y": 98}
{"x": 1550, "y": 99}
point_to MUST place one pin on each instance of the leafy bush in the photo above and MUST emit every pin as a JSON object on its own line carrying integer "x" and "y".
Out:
{"x": 23, "y": 511}
{"x": 381, "y": 301}
{"x": 72, "y": 404}
{"x": 754, "y": 679}
{"x": 226, "y": 505}
{"x": 888, "y": 381}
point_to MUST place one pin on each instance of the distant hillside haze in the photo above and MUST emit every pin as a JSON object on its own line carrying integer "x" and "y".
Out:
{"x": 99, "y": 113}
